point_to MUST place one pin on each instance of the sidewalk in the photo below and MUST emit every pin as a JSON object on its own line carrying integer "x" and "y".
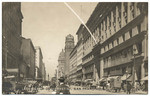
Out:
{"x": 100, "y": 91}
{"x": 141, "y": 92}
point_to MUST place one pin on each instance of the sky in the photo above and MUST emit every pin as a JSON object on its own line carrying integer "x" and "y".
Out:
{"x": 48, "y": 23}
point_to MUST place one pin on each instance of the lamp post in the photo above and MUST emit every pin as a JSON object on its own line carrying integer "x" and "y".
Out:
{"x": 133, "y": 72}
{"x": 126, "y": 80}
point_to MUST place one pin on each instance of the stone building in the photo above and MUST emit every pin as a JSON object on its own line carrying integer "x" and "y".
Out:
{"x": 11, "y": 37}
{"x": 79, "y": 73}
{"x": 121, "y": 30}
{"x": 73, "y": 64}
{"x": 28, "y": 56}
{"x": 38, "y": 62}
{"x": 61, "y": 64}
{"x": 43, "y": 71}
{"x": 69, "y": 45}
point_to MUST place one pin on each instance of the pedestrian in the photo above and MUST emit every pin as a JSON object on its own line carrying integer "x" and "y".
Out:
{"x": 62, "y": 88}
{"x": 53, "y": 86}
{"x": 108, "y": 86}
{"x": 122, "y": 85}
{"x": 104, "y": 85}
{"x": 129, "y": 86}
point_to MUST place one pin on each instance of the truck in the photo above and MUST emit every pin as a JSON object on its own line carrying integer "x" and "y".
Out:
{"x": 115, "y": 84}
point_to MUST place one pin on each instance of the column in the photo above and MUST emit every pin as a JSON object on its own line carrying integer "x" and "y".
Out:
{"x": 83, "y": 71}
{"x": 122, "y": 17}
{"x": 128, "y": 12}
{"x": 117, "y": 15}
{"x": 112, "y": 20}
{"x": 94, "y": 74}
{"x": 142, "y": 70}
{"x": 101, "y": 67}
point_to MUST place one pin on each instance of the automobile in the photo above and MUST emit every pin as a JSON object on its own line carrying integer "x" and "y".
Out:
{"x": 46, "y": 85}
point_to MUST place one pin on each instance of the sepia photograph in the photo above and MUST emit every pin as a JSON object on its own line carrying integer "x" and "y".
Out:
{"x": 93, "y": 48}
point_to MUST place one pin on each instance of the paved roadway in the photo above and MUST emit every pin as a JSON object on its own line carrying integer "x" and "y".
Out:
{"x": 86, "y": 92}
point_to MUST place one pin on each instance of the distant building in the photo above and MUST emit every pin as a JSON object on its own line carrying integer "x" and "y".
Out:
{"x": 69, "y": 45}
{"x": 28, "y": 55}
{"x": 79, "y": 52}
{"x": 43, "y": 72}
{"x": 61, "y": 64}
{"x": 11, "y": 37}
{"x": 38, "y": 62}
{"x": 73, "y": 64}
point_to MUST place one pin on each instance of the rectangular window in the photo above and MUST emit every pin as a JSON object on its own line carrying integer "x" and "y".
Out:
{"x": 112, "y": 44}
{"x": 123, "y": 36}
{"x": 130, "y": 32}
{"x": 117, "y": 41}
{"x": 139, "y": 47}
{"x": 139, "y": 28}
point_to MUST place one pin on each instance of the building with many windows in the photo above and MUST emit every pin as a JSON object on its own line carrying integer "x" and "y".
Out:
{"x": 121, "y": 32}
{"x": 38, "y": 62}
{"x": 61, "y": 63}
{"x": 28, "y": 56}
{"x": 11, "y": 37}
{"x": 79, "y": 74}
{"x": 73, "y": 64}
{"x": 69, "y": 45}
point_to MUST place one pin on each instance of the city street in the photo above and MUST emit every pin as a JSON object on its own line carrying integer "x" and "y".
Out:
{"x": 73, "y": 91}
{"x": 75, "y": 48}
{"x": 87, "y": 92}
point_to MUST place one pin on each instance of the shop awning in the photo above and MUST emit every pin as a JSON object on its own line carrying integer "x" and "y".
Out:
{"x": 145, "y": 78}
{"x": 112, "y": 77}
{"x": 32, "y": 82}
{"x": 12, "y": 70}
{"x": 9, "y": 77}
{"x": 125, "y": 76}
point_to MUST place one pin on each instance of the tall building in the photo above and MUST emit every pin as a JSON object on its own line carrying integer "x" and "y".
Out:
{"x": 61, "y": 64}
{"x": 73, "y": 64}
{"x": 38, "y": 62}
{"x": 11, "y": 37}
{"x": 69, "y": 45}
{"x": 79, "y": 73}
{"x": 28, "y": 55}
{"x": 43, "y": 72}
{"x": 121, "y": 32}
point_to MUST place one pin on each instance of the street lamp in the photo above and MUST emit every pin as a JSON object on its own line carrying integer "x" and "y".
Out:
{"x": 126, "y": 80}
{"x": 133, "y": 72}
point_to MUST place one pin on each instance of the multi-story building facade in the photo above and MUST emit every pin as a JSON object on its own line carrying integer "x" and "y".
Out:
{"x": 121, "y": 30}
{"x": 11, "y": 37}
{"x": 73, "y": 64}
{"x": 38, "y": 62}
{"x": 61, "y": 64}
{"x": 28, "y": 55}
{"x": 79, "y": 45}
{"x": 88, "y": 64}
{"x": 69, "y": 45}
{"x": 43, "y": 72}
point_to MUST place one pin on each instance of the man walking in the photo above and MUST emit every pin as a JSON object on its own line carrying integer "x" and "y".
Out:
{"x": 62, "y": 88}
{"x": 129, "y": 86}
